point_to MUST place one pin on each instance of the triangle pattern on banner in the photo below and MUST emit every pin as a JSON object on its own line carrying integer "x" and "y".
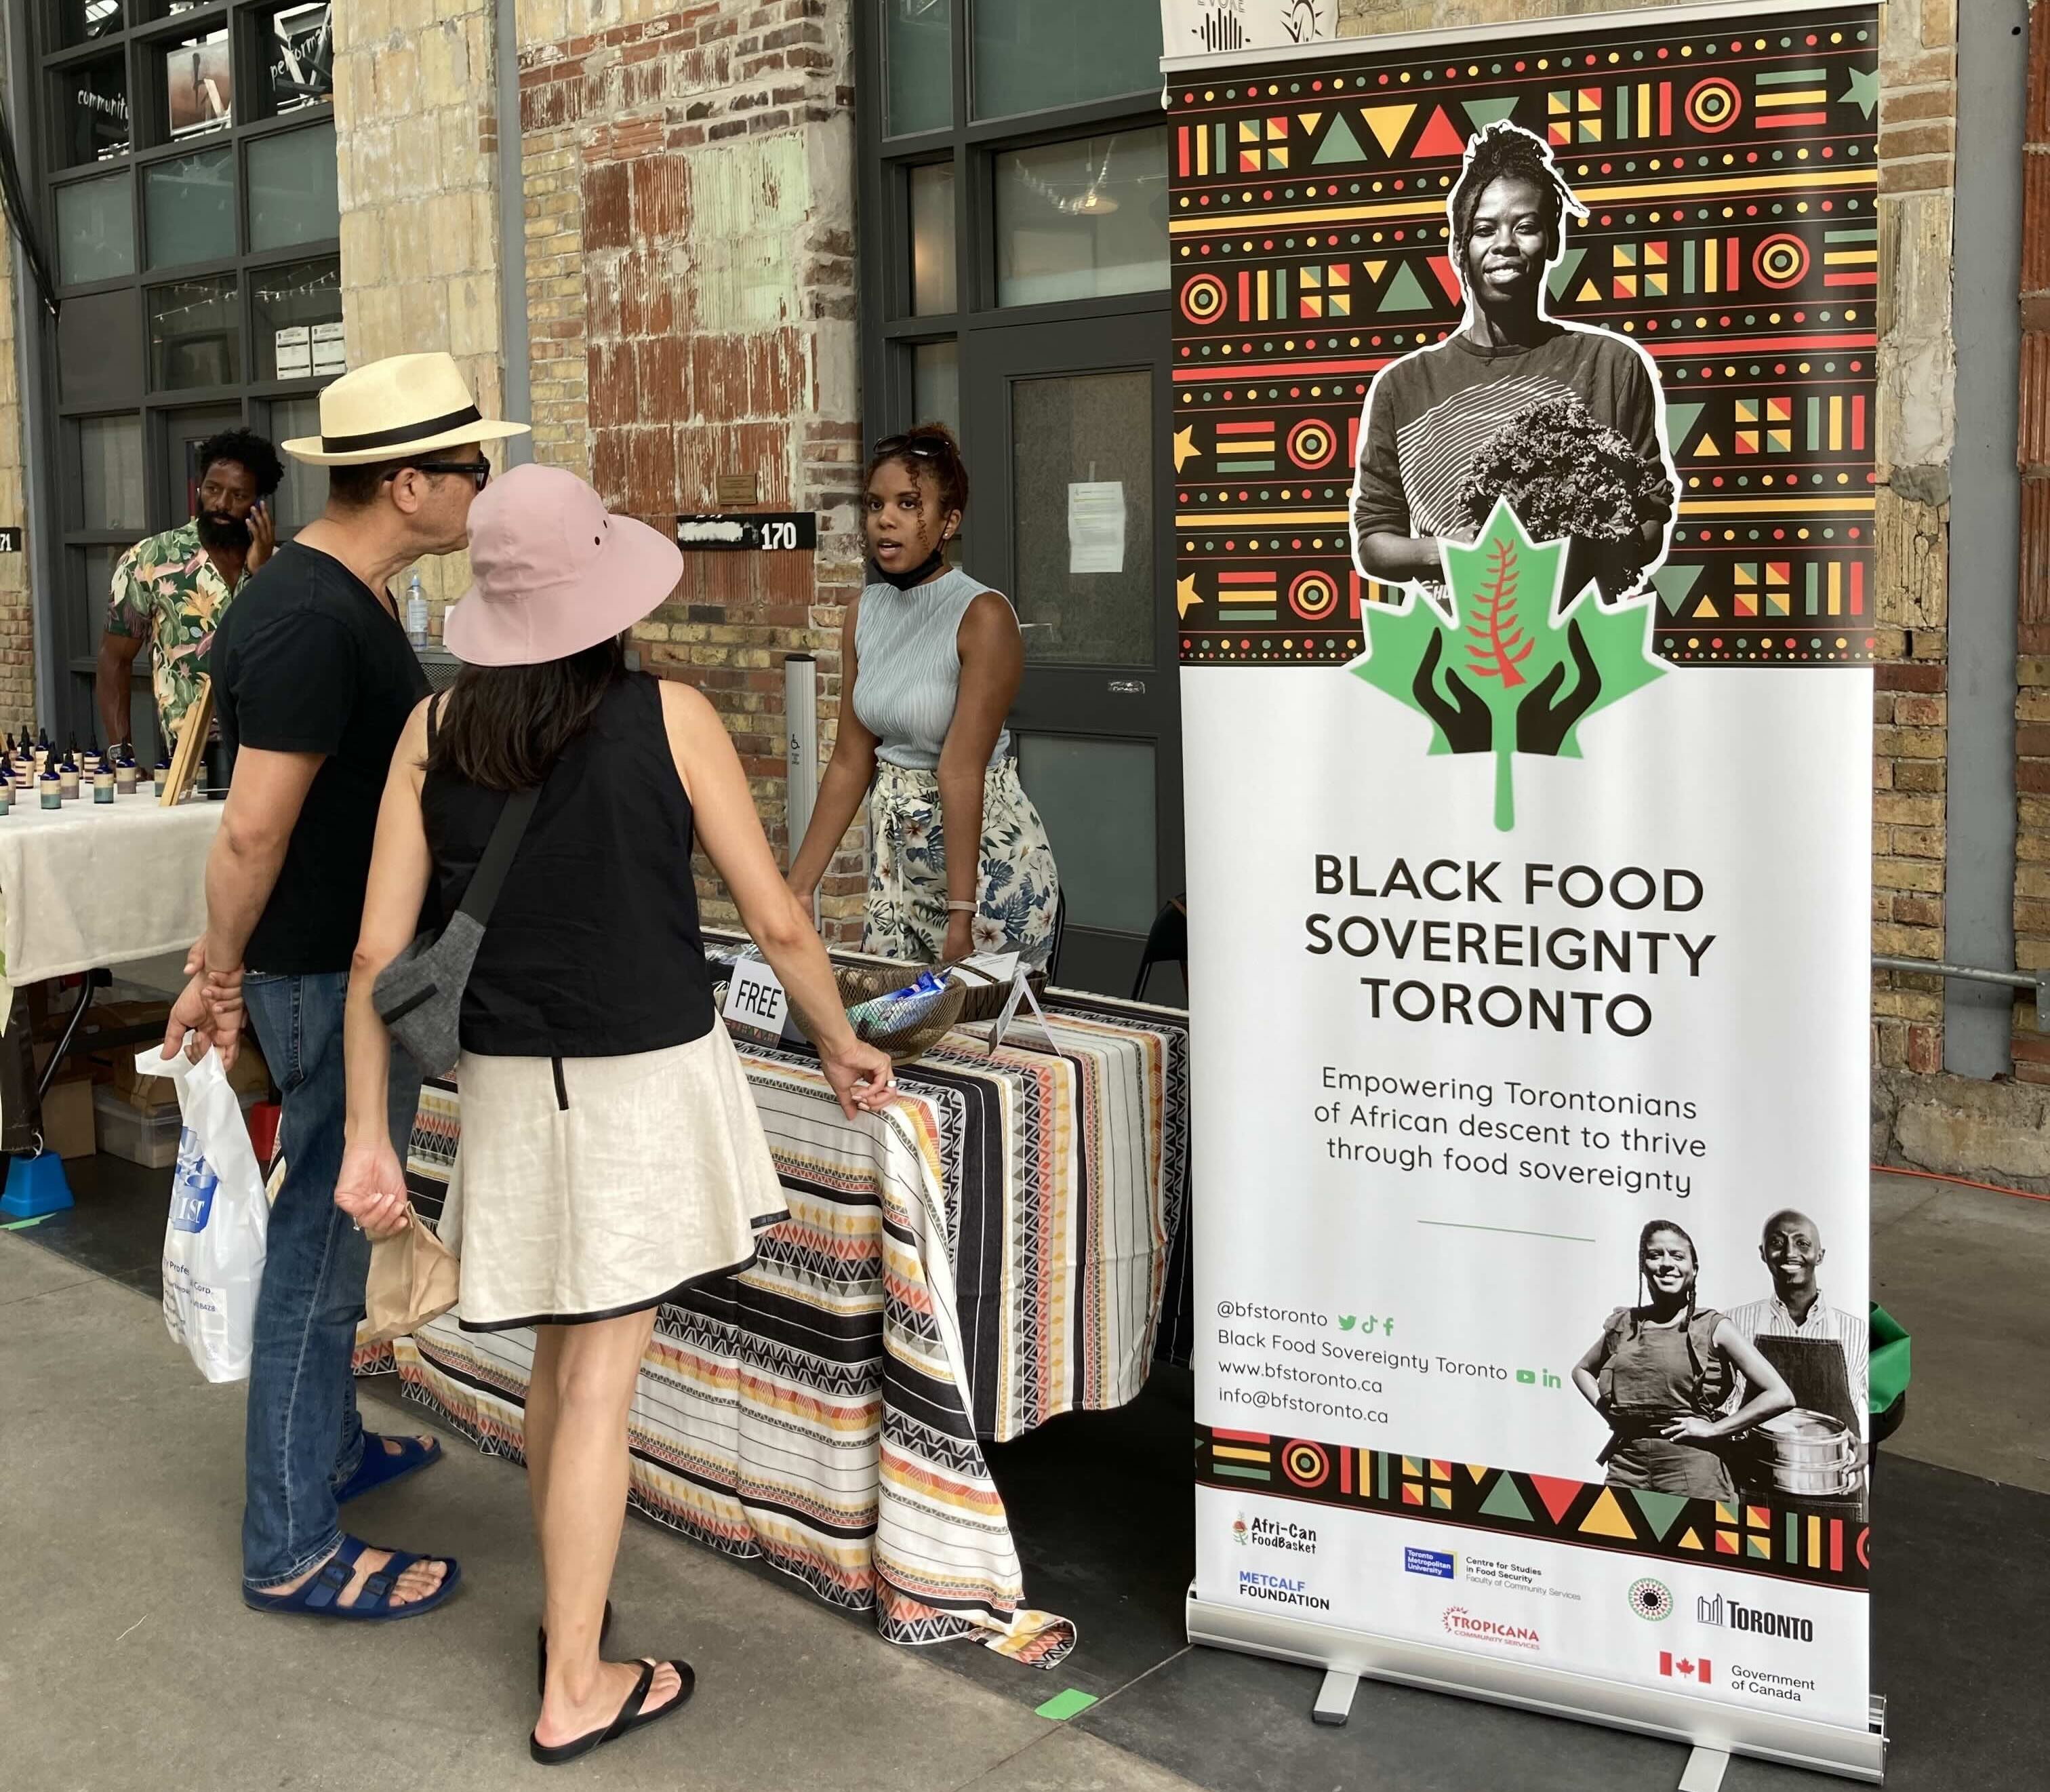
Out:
{"x": 1561, "y": 276}
{"x": 1706, "y": 608}
{"x": 1674, "y": 582}
{"x": 1607, "y": 1518}
{"x": 1339, "y": 144}
{"x": 1478, "y": 1472}
{"x": 1403, "y": 293}
{"x": 1589, "y": 294}
{"x": 1661, "y": 1510}
{"x": 1504, "y": 1501}
{"x": 1441, "y": 265}
{"x": 1387, "y": 123}
{"x": 1558, "y": 1495}
{"x": 1308, "y": 120}
{"x": 1705, "y": 449}
{"x": 1680, "y": 421}
{"x": 1485, "y": 112}
{"x": 1374, "y": 268}
{"x": 1688, "y": 1540}
{"x": 1441, "y": 136}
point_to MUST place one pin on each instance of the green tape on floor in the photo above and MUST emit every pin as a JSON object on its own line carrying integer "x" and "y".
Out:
{"x": 1064, "y": 1705}
{"x": 22, "y": 1225}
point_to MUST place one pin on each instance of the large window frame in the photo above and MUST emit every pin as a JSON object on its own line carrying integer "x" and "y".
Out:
{"x": 76, "y": 608}
{"x": 1049, "y": 704}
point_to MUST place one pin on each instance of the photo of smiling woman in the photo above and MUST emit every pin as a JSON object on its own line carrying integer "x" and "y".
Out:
{"x": 930, "y": 662}
{"x": 1564, "y": 420}
{"x": 1659, "y": 1370}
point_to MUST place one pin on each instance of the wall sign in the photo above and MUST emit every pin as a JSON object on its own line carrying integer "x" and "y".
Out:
{"x": 10, "y": 541}
{"x": 762, "y": 532}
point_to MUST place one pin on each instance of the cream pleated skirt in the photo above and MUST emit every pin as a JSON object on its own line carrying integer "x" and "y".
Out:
{"x": 587, "y": 1188}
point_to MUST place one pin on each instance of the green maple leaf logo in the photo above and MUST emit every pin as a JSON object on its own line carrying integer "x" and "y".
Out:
{"x": 1511, "y": 670}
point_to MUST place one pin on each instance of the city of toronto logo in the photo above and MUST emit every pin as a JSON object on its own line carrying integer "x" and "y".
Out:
{"x": 1510, "y": 669}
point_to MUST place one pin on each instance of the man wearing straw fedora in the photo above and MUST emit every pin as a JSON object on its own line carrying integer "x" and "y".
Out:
{"x": 313, "y": 679}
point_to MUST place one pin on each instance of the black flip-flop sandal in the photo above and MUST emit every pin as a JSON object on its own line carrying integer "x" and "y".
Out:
{"x": 630, "y": 1717}
{"x": 541, "y": 1651}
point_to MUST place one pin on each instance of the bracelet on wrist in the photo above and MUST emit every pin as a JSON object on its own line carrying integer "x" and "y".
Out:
{"x": 961, "y": 908}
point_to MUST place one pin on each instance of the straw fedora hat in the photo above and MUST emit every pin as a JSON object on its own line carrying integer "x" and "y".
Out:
{"x": 404, "y": 405}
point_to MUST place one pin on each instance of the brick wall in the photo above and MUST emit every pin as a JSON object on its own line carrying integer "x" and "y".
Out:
{"x": 689, "y": 204}
{"x": 1917, "y": 131}
{"x": 417, "y": 168}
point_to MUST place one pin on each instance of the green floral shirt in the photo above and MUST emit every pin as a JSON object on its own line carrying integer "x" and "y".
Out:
{"x": 167, "y": 589}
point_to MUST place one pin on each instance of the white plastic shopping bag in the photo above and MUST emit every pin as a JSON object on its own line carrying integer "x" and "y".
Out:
{"x": 214, "y": 1243}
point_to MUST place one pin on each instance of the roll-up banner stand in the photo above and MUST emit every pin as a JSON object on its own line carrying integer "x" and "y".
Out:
{"x": 1523, "y": 439}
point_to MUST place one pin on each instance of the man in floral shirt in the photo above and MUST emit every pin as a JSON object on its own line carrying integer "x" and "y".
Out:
{"x": 170, "y": 590}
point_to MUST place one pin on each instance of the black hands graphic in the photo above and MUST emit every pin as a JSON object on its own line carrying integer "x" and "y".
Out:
{"x": 1468, "y": 727}
{"x": 1544, "y": 718}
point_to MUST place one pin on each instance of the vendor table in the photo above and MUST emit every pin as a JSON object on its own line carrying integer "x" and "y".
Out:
{"x": 92, "y": 885}
{"x": 989, "y": 1251}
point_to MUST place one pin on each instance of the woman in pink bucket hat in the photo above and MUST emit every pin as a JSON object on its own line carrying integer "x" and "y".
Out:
{"x": 611, "y": 1151}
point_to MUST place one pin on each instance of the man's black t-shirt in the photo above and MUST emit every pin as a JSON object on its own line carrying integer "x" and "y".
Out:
{"x": 308, "y": 660}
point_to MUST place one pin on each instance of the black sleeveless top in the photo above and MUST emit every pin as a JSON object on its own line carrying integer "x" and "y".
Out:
{"x": 593, "y": 950}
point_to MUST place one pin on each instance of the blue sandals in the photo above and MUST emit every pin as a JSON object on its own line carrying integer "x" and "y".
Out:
{"x": 319, "y": 1595}
{"x": 380, "y": 1465}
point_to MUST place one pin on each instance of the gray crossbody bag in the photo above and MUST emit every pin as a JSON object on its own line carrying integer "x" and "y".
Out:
{"x": 418, "y": 995}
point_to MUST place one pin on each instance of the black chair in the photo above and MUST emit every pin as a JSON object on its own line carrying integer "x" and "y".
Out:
{"x": 1060, "y": 932}
{"x": 1166, "y": 943}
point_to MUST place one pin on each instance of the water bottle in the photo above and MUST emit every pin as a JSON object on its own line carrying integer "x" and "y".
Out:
{"x": 416, "y": 613}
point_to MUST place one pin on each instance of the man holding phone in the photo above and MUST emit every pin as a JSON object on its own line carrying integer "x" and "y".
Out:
{"x": 170, "y": 591}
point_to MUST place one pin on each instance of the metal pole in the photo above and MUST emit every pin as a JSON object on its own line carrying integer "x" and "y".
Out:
{"x": 800, "y": 716}
{"x": 518, "y": 395}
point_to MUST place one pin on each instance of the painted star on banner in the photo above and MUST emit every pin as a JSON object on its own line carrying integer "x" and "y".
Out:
{"x": 1185, "y": 445}
{"x": 1185, "y": 595}
{"x": 1863, "y": 91}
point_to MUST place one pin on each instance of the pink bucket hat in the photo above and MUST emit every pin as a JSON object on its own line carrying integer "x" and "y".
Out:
{"x": 556, "y": 572}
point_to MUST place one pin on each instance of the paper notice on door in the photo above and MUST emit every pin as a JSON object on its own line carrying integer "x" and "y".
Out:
{"x": 295, "y": 353}
{"x": 330, "y": 352}
{"x": 1096, "y": 526}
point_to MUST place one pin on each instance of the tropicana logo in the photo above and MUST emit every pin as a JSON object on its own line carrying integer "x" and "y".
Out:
{"x": 1461, "y": 1622}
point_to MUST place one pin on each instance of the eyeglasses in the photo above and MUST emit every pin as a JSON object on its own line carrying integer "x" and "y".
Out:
{"x": 918, "y": 446}
{"x": 480, "y": 471}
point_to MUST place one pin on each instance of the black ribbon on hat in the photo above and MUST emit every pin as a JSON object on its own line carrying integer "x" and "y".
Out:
{"x": 400, "y": 437}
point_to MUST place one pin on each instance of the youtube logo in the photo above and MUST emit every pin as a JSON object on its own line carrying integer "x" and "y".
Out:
{"x": 1696, "y": 1671}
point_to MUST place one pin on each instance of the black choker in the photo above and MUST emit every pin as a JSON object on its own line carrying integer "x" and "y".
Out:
{"x": 917, "y": 575}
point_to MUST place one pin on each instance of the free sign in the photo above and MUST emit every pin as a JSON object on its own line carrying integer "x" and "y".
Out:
{"x": 755, "y": 998}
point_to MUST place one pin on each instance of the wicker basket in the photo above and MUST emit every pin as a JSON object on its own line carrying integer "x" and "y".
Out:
{"x": 986, "y": 1001}
{"x": 904, "y": 1043}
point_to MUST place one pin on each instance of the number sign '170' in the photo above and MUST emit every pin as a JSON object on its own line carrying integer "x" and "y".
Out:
{"x": 750, "y": 532}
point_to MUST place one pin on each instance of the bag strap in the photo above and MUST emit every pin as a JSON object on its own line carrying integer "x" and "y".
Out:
{"x": 488, "y": 878}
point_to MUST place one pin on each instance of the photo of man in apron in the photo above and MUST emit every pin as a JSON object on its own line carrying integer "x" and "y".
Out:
{"x": 1819, "y": 1351}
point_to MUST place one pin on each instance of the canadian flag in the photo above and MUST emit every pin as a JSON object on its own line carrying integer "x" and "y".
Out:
{"x": 1696, "y": 1670}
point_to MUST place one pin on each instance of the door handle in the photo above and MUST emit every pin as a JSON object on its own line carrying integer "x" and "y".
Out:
{"x": 1127, "y": 687}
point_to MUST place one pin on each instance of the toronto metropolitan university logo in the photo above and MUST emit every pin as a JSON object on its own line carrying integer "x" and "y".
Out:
{"x": 1511, "y": 669}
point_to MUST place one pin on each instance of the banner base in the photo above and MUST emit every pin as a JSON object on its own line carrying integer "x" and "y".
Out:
{"x": 1348, "y": 1655}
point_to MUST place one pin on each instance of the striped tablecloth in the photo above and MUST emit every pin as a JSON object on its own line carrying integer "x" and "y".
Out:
{"x": 990, "y": 1251}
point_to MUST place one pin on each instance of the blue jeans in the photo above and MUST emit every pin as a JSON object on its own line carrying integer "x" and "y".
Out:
{"x": 305, "y": 1439}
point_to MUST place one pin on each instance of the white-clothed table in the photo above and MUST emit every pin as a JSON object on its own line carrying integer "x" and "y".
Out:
{"x": 91, "y": 885}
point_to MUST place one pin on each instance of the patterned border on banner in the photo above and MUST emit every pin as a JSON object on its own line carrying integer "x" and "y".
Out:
{"x": 1786, "y": 1542}
{"x": 1730, "y": 177}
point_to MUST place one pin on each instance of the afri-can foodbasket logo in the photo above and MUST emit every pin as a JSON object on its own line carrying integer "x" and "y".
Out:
{"x": 1652, "y": 1600}
{"x": 1241, "y": 1533}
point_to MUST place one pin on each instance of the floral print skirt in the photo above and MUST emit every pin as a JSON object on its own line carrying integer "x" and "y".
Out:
{"x": 1016, "y": 893}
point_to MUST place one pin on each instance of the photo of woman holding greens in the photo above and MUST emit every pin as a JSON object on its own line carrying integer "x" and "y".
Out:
{"x": 1661, "y": 1369}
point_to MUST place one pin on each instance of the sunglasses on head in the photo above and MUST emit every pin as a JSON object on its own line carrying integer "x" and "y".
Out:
{"x": 480, "y": 471}
{"x": 916, "y": 445}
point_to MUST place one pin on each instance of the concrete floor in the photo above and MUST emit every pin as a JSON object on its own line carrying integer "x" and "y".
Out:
{"x": 126, "y": 1659}
{"x": 120, "y": 1488}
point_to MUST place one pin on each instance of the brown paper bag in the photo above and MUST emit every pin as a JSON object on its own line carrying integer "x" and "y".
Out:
{"x": 414, "y": 1278}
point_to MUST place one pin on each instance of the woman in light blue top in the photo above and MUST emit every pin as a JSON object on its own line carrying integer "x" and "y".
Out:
{"x": 930, "y": 660}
